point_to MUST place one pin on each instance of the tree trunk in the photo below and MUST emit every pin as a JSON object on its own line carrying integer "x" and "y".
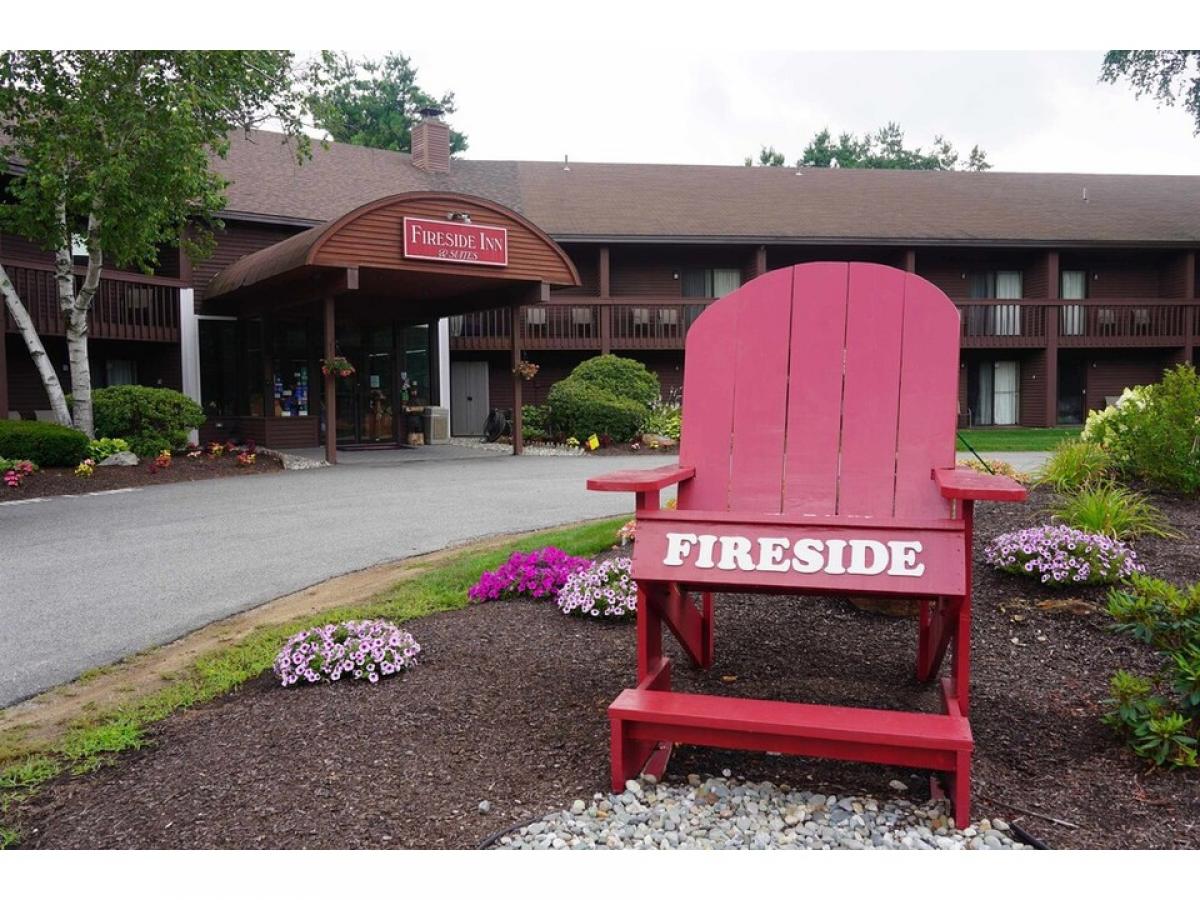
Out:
{"x": 20, "y": 316}
{"x": 75, "y": 309}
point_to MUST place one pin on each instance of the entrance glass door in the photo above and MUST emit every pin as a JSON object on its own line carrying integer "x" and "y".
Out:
{"x": 366, "y": 409}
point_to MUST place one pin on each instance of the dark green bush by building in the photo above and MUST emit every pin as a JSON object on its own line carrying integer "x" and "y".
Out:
{"x": 43, "y": 443}
{"x": 150, "y": 419}
{"x": 621, "y": 377}
{"x": 579, "y": 409}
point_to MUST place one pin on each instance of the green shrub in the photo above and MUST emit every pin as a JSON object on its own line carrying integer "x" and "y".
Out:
{"x": 535, "y": 423}
{"x": 580, "y": 409}
{"x": 665, "y": 418}
{"x": 43, "y": 443}
{"x": 625, "y": 378}
{"x": 1074, "y": 464}
{"x": 1159, "y": 717}
{"x": 1110, "y": 509}
{"x": 102, "y": 448}
{"x": 1154, "y": 432}
{"x": 149, "y": 419}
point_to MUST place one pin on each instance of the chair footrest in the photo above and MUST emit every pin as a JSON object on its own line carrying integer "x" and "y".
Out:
{"x": 924, "y": 740}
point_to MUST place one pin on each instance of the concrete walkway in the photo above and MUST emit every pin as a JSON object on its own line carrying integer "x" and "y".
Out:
{"x": 87, "y": 580}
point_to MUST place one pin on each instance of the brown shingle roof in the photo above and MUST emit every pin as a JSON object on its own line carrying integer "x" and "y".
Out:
{"x": 638, "y": 201}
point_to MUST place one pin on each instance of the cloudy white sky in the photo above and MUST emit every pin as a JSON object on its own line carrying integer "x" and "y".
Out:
{"x": 1031, "y": 111}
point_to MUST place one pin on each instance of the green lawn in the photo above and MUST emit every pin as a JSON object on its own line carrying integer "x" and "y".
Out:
{"x": 92, "y": 741}
{"x": 990, "y": 440}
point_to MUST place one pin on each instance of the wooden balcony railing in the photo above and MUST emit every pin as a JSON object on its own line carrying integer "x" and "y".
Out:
{"x": 126, "y": 306}
{"x": 657, "y": 324}
{"x": 1078, "y": 323}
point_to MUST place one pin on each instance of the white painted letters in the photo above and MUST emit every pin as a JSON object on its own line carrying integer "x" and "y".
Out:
{"x": 807, "y": 556}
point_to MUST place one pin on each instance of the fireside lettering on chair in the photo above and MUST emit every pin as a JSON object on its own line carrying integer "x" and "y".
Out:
{"x": 807, "y": 555}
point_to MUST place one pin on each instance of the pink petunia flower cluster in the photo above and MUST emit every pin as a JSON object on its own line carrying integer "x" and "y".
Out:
{"x": 538, "y": 575}
{"x": 1060, "y": 554}
{"x": 607, "y": 589}
{"x": 370, "y": 649}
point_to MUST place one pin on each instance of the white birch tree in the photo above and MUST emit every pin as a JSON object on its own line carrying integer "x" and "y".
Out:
{"x": 114, "y": 147}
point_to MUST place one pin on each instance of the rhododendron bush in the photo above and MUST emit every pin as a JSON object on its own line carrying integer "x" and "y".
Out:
{"x": 606, "y": 589}
{"x": 370, "y": 649}
{"x": 538, "y": 575}
{"x": 1059, "y": 554}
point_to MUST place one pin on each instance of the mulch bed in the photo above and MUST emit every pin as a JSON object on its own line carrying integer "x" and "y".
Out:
{"x": 509, "y": 707}
{"x": 55, "y": 482}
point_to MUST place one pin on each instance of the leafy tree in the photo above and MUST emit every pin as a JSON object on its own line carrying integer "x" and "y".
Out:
{"x": 1169, "y": 76}
{"x": 884, "y": 149}
{"x": 767, "y": 156}
{"x": 115, "y": 145}
{"x": 374, "y": 103}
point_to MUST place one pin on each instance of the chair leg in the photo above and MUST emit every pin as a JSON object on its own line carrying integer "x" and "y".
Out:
{"x": 628, "y": 757}
{"x": 649, "y": 635}
{"x": 962, "y": 789}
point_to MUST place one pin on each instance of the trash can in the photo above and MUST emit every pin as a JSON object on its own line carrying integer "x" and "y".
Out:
{"x": 437, "y": 425}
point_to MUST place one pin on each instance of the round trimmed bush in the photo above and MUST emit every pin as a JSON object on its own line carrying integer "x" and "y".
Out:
{"x": 43, "y": 443}
{"x": 370, "y": 649}
{"x": 622, "y": 377}
{"x": 149, "y": 419}
{"x": 1059, "y": 554}
{"x": 606, "y": 590}
{"x": 580, "y": 409}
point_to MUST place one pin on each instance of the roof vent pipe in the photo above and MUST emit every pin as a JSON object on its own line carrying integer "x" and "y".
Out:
{"x": 431, "y": 142}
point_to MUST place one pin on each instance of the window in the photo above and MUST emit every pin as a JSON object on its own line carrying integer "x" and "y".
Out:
{"x": 120, "y": 371}
{"x": 995, "y": 319}
{"x": 219, "y": 367}
{"x": 994, "y": 392}
{"x": 289, "y": 363}
{"x": 710, "y": 282}
{"x": 1073, "y": 286}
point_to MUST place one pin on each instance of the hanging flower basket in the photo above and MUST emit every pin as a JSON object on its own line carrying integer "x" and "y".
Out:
{"x": 526, "y": 369}
{"x": 337, "y": 365}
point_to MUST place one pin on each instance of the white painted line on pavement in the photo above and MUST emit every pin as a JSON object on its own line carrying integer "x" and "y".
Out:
{"x": 128, "y": 490}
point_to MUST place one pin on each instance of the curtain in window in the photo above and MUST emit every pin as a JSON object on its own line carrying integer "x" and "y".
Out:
{"x": 986, "y": 394}
{"x": 1007, "y": 393}
{"x": 697, "y": 283}
{"x": 1074, "y": 287}
{"x": 1008, "y": 318}
{"x": 725, "y": 281}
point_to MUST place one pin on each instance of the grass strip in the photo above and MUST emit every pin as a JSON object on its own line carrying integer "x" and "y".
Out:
{"x": 93, "y": 740}
{"x": 992, "y": 440}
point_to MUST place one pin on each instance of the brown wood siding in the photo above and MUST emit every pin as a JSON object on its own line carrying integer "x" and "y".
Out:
{"x": 1036, "y": 280}
{"x": 658, "y": 271}
{"x": 375, "y": 238}
{"x": 1120, "y": 274}
{"x": 1176, "y": 277}
{"x": 950, "y": 271}
{"x": 1033, "y": 388}
{"x": 587, "y": 261}
{"x": 235, "y": 240}
{"x": 1109, "y": 373}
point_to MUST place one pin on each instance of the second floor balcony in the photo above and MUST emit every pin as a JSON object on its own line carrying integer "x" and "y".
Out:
{"x": 126, "y": 306}
{"x": 662, "y": 324}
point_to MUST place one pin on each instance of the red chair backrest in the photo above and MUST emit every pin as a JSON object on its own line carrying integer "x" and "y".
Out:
{"x": 822, "y": 389}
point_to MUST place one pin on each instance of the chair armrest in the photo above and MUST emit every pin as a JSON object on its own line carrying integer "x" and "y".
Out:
{"x": 967, "y": 484}
{"x": 638, "y": 480}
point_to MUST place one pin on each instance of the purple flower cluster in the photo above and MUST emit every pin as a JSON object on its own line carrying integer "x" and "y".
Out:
{"x": 538, "y": 575}
{"x": 1059, "y": 554}
{"x": 366, "y": 649}
{"x": 606, "y": 589}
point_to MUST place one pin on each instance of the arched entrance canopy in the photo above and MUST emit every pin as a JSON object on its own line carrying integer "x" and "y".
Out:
{"x": 406, "y": 259}
{"x": 365, "y": 251}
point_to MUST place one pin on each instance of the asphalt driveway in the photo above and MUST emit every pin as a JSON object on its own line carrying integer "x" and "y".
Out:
{"x": 87, "y": 580}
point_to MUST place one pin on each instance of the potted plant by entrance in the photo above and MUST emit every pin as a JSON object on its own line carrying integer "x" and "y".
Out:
{"x": 337, "y": 365}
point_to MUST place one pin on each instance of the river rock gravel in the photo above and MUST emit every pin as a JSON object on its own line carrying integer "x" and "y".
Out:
{"x": 728, "y": 813}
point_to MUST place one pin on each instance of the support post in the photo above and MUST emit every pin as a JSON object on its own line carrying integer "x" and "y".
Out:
{"x": 1050, "y": 388}
{"x": 910, "y": 260}
{"x": 605, "y": 307}
{"x": 518, "y": 322}
{"x": 760, "y": 260}
{"x": 3, "y": 363}
{"x": 330, "y": 387}
{"x": 1189, "y": 313}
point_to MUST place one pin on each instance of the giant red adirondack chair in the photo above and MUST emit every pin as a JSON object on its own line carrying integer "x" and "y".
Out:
{"x": 817, "y": 456}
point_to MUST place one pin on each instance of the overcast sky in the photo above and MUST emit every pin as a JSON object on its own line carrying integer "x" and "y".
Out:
{"x": 1031, "y": 111}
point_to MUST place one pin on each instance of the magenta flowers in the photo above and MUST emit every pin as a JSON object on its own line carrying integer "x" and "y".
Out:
{"x": 1059, "y": 554}
{"x": 605, "y": 590}
{"x": 370, "y": 649}
{"x": 538, "y": 575}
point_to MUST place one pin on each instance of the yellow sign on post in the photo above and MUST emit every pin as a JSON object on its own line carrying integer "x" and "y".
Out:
{"x": 593, "y": 442}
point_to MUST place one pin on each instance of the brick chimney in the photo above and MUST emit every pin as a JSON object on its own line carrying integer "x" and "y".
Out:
{"x": 431, "y": 142}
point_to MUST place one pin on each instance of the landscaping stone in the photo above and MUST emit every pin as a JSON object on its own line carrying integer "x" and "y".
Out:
{"x": 725, "y": 813}
{"x": 120, "y": 458}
